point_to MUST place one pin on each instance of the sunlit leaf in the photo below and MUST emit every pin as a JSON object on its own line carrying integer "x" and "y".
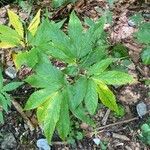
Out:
{"x": 16, "y": 23}
{"x": 115, "y": 78}
{"x": 52, "y": 117}
{"x": 107, "y": 97}
{"x": 33, "y": 26}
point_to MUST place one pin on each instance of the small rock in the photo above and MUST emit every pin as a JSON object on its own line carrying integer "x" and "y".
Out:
{"x": 146, "y": 15}
{"x": 97, "y": 141}
{"x": 11, "y": 72}
{"x": 131, "y": 23}
{"x": 141, "y": 109}
{"x": 42, "y": 144}
{"x": 9, "y": 142}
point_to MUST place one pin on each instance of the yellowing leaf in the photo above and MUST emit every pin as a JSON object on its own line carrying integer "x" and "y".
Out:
{"x": 34, "y": 23}
{"x": 6, "y": 45}
{"x": 106, "y": 96}
{"x": 16, "y": 23}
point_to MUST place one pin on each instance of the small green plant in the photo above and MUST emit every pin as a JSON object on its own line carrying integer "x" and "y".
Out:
{"x": 18, "y": 36}
{"x": 58, "y": 3}
{"x": 143, "y": 36}
{"x": 84, "y": 78}
{"x": 24, "y": 38}
{"x": 74, "y": 89}
{"x": 145, "y": 133}
{"x": 5, "y": 99}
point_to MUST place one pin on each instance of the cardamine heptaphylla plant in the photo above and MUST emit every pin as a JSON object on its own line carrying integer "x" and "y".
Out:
{"x": 76, "y": 88}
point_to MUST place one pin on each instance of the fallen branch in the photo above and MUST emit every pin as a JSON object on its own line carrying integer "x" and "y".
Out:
{"x": 118, "y": 123}
{"x": 101, "y": 129}
{"x": 22, "y": 113}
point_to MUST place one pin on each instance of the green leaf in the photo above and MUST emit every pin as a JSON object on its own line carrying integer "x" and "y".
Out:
{"x": 1, "y": 118}
{"x": 75, "y": 30}
{"x": 3, "y": 102}
{"x": 143, "y": 35}
{"x": 81, "y": 114}
{"x": 101, "y": 66}
{"x": 8, "y": 98}
{"x": 115, "y": 78}
{"x": 9, "y": 32}
{"x": 1, "y": 79}
{"x": 42, "y": 111}
{"x": 98, "y": 54}
{"x": 91, "y": 98}
{"x": 39, "y": 97}
{"x": 28, "y": 58}
{"x": 42, "y": 81}
{"x": 95, "y": 31}
{"x": 107, "y": 97}
{"x": 119, "y": 50}
{"x": 52, "y": 117}
{"x": 78, "y": 91}
{"x": 34, "y": 23}
{"x": 7, "y": 45}
{"x": 11, "y": 86}
{"x": 16, "y": 23}
{"x": 63, "y": 125}
{"x": 9, "y": 41}
{"x": 58, "y": 3}
{"x": 145, "y": 55}
{"x": 45, "y": 68}
{"x": 137, "y": 18}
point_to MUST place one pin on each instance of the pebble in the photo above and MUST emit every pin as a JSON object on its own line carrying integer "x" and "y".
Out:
{"x": 42, "y": 144}
{"x": 141, "y": 109}
{"x": 146, "y": 15}
{"x": 11, "y": 72}
{"x": 131, "y": 23}
{"x": 97, "y": 141}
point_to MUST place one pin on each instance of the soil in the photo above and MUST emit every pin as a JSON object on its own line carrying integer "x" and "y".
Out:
{"x": 124, "y": 136}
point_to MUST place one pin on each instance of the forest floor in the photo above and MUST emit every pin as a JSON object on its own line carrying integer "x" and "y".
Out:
{"x": 116, "y": 133}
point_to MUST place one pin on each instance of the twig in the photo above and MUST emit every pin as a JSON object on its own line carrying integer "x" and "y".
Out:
{"x": 120, "y": 122}
{"x": 24, "y": 116}
{"x": 59, "y": 143}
